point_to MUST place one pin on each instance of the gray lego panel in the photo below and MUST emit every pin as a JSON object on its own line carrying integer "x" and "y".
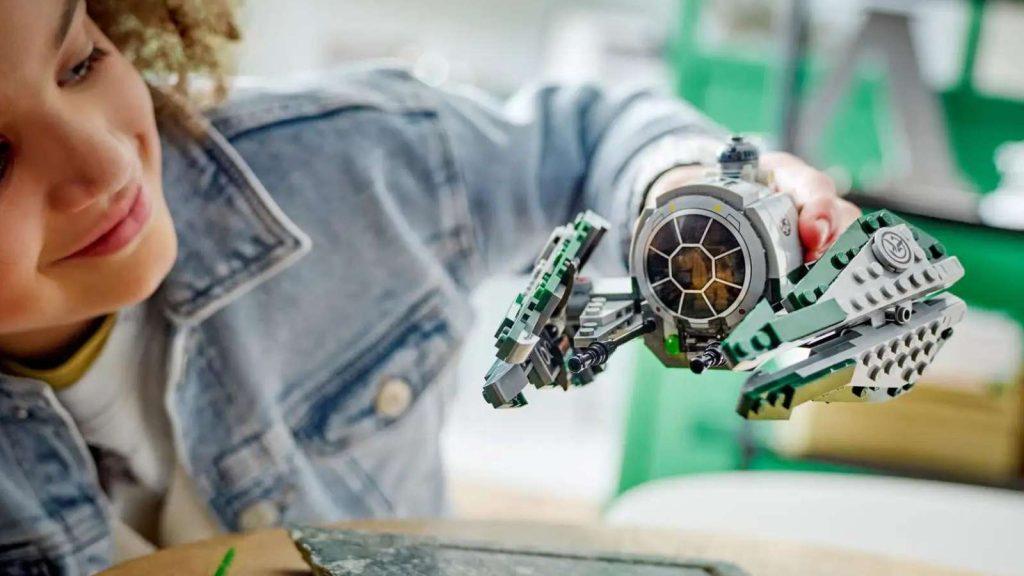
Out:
{"x": 863, "y": 364}
{"x": 775, "y": 218}
{"x": 601, "y": 319}
{"x": 505, "y": 384}
{"x": 892, "y": 268}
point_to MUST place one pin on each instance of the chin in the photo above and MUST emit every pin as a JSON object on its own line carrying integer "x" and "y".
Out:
{"x": 122, "y": 280}
{"x": 153, "y": 259}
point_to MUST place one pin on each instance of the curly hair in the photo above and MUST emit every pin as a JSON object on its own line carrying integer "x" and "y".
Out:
{"x": 171, "y": 42}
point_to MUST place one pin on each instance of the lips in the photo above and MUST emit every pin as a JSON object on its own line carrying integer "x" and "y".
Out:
{"x": 122, "y": 226}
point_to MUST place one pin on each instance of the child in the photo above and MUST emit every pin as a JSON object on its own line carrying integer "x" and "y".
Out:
{"x": 232, "y": 324}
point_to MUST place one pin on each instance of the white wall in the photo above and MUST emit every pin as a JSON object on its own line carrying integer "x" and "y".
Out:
{"x": 497, "y": 45}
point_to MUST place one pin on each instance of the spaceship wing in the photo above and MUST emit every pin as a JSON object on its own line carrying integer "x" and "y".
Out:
{"x": 530, "y": 339}
{"x": 862, "y": 364}
{"x": 872, "y": 274}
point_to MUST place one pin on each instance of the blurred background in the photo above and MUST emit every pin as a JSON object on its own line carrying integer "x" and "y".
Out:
{"x": 916, "y": 106}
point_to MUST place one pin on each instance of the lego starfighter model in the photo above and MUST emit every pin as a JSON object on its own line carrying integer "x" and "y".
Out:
{"x": 717, "y": 280}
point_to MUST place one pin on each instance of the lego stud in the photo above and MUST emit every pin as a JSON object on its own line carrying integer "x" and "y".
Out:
{"x": 899, "y": 314}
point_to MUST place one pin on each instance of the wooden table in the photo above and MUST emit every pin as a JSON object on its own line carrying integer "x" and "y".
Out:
{"x": 271, "y": 553}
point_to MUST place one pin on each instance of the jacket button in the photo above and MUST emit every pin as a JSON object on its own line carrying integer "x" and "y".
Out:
{"x": 263, "y": 514}
{"x": 394, "y": 398}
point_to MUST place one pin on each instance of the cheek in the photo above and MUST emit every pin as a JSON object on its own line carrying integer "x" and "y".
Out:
{"x": 21, "y": 240}
{"x": 22, "y": 229}
{"x": 130, "y": 108}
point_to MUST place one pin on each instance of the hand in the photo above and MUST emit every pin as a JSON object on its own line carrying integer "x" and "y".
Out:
{"x": 823, "y": 215}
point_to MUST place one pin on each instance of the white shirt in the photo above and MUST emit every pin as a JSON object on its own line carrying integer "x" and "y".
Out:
{"x": 118, "y": 405}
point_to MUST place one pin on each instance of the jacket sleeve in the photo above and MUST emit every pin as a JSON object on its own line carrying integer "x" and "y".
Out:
{"x": 533, "y": 162}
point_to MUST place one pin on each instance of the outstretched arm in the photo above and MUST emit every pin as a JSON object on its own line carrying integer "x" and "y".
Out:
{"x": 530, "y": 164}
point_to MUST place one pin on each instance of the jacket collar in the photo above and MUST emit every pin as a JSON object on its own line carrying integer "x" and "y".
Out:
{"x": 232, "y": 236}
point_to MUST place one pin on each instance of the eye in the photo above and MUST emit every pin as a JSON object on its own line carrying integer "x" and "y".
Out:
{"x": 81, "y": 71}
{"x": 5, "y": 159}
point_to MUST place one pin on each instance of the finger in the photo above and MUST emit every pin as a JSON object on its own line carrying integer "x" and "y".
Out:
{"x": 773, "y": 160}
{"x": 789, "y": 173}
{"x": 822, "y": 221}
{"x": 822, "y": 216}
{"x": 818, "y": 224}
{"x": 794, "y": 177}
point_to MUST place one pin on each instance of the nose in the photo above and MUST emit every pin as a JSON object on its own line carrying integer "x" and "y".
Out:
{"x": 86, "y": 160}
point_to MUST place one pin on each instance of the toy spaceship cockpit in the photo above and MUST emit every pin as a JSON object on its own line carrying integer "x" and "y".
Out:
{"x": 717, "y": 279}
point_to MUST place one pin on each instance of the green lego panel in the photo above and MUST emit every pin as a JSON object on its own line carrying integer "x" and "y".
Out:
{"x": 802, "y": 323}
{"x": 739, "y": 342}
{"x": 532, "y": 307}
{"x": 824, "y": 272}
{"x": 781, "y": 329}
{"x": 780, "y": 395}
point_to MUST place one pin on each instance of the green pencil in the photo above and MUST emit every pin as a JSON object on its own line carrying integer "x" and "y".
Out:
{"x": 225, "y": 563}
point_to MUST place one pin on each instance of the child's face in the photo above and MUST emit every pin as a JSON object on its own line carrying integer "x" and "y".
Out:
{"x": 79, "y": 153}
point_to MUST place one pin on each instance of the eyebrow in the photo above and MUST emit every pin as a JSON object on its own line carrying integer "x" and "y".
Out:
{"x": 67, "y": 16}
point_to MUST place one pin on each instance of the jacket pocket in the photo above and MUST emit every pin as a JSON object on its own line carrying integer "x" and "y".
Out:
{"x": 382, "y": 382}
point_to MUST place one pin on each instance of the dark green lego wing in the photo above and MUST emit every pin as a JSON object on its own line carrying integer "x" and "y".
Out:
{"x": 803, "y": 313}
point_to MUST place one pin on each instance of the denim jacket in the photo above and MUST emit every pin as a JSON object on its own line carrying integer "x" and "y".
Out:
{"x": 328, "y": 239}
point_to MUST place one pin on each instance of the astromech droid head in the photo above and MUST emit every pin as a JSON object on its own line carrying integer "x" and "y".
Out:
{"x": 736, "y": 155}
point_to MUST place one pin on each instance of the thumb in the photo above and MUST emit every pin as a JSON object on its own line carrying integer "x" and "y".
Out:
{"x": 814, "y": 236}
